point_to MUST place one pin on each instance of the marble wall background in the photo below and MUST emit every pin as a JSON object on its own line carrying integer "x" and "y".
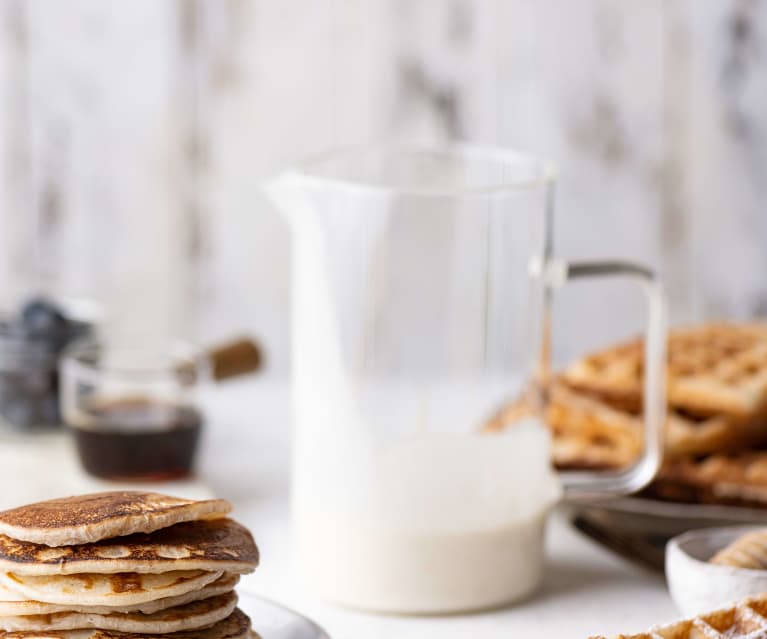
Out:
{"x": 134, "y": 134}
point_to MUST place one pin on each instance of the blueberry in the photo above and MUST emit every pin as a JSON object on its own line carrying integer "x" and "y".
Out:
{"x": 41, "y": 317}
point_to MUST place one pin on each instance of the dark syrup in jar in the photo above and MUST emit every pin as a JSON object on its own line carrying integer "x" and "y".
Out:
{"x": 138, "y": 439}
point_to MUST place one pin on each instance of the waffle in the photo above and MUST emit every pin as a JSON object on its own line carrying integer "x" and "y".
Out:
{"x": 738, "y": 479}
{"x": 744, "y": 620}
{"x": 586, "y": 434}
{"x": 714, "y": 369}
{"x": 590, "y": 433}
{"x": 748, "y": 551}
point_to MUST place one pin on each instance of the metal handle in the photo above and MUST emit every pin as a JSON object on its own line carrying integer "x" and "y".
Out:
{"x": 589, "y": 485}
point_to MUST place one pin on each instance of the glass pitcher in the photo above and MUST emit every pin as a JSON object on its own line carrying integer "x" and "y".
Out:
{"x": 421, "y": 288}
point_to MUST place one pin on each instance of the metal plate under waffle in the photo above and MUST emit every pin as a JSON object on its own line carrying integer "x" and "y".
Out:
{"x": 638, "y": 528}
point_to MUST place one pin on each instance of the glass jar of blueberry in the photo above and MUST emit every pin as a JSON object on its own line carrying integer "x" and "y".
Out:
{"x": 31, "y": 342}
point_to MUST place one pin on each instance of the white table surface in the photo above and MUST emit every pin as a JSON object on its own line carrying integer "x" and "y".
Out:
{"x": 245, "y": 457}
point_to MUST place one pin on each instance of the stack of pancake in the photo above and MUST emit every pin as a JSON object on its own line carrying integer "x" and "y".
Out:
{"x": 127, "y": 565}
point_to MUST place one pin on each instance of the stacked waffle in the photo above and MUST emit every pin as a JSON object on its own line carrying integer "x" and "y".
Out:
{"x": 127, "y": 565}
{"x": 716, "y": 430}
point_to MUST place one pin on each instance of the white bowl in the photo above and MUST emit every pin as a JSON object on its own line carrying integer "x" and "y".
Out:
{"x": 698, "y": 586}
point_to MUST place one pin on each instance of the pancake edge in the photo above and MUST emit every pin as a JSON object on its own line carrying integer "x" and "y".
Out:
{"x": 119, "y": 526}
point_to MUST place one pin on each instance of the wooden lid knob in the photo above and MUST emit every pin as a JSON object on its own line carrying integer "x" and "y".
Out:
{"x": 235, "y": 358}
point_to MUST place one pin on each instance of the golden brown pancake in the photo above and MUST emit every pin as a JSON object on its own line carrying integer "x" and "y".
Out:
{"x": 235, "y": 626}
{"x": 199, "y": 614}
{"x": 97, "y": 589}
{"x": 89, "y": 518}
{"x": 211, "y": 545}
{"x": 13, "y": 604}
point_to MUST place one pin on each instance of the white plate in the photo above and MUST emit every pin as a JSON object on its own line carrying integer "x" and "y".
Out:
{"x": 273, "y": 621}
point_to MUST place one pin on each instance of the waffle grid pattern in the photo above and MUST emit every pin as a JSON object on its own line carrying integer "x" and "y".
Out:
{"x": 718, "y": 369}
{"x": 746, "y": 620}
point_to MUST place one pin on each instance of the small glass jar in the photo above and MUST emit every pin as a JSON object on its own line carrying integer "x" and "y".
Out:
{"x": 134, "y": 411}
{"x": 29, "y": 377}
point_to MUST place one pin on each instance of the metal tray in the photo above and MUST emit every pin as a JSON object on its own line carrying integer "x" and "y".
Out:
{"x": 638, "y": 528}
